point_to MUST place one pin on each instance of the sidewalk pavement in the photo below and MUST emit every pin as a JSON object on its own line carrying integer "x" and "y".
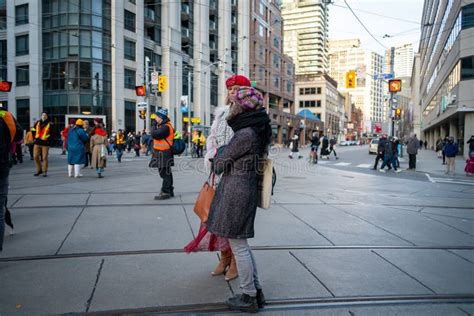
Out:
{"x": 334, "y": 242}
{"x": 427, "y": 161}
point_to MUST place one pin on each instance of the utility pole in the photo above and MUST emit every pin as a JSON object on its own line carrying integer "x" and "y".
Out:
{"x": 147, "y": 100}
{"x": 392, "y": 116}
{"x": 189, "y": 109}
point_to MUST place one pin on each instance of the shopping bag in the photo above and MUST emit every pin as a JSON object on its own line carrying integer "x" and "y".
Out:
{"x": 202, "y": 206}
{"x": 265, "y": 184}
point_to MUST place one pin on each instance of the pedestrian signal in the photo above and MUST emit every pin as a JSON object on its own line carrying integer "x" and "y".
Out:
{"x": 351, "y": 78}
{"x": 398, "y": 113}
{"x": 5, "y": 86}
{"x": 161, "y": 83}
{"x": 142, "y": 114}
{"x": 395, "y": 85}
{"x": 140, "y": 90}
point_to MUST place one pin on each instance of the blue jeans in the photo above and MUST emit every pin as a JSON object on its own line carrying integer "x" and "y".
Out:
{"x": 99, "y": 170}
{"x": 386, "y": 162}
{"x": 119, "y": 152}
{"x": 3, "y": 201}
{"x": 248, "y": 276}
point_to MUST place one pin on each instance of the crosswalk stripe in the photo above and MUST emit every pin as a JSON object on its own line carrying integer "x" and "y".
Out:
{"x": 364, "y": 165}
{"x": 342, "y": 164}
{"x": 323, "y": 162}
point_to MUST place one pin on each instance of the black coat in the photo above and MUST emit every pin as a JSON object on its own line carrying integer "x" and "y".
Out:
{"x": 161, "y": 158}
{"x": 234, "y": 207}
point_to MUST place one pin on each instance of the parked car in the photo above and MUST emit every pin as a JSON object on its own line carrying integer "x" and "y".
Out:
{"x": 345, "y": 143}
{"x": 373, "y": 146}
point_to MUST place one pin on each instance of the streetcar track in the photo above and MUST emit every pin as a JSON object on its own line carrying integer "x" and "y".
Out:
{"x": 255, "y": 248}
{"x": 300, "y": 304}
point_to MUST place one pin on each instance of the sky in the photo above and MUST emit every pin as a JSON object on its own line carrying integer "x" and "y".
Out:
{"x": 402, "y": 23}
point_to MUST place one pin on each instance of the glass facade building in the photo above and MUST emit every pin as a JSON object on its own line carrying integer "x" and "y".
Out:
{"x": 76, "y": 58}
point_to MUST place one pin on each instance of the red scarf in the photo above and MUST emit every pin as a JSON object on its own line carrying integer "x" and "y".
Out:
{"x": 99, "y": 131}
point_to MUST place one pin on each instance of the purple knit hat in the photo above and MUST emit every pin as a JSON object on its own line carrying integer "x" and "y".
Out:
{"x": 249, "y": 98}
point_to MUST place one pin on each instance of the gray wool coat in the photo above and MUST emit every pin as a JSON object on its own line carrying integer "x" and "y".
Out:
{"x": 234, "y": 207}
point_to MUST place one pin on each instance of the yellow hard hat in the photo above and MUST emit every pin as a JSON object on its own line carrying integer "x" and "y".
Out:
{"x": 79, "y": 122}
{"x": 153, "y": 116}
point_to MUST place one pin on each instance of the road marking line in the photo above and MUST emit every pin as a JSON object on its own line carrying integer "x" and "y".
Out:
{"x": 322, "y": 162}
{"x": 429, "y": 178}
{"x": 364, "y": 165}
{"x": 342, "y": 164}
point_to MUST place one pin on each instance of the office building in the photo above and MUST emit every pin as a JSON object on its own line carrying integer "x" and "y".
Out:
{"x": 447, "y": 71}
{"x": 368, "y": 95}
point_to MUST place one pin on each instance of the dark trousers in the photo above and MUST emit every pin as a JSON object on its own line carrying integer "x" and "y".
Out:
{"x": 88, "y": 159}
{"x": 167, "y": 176}
{"x": 411, "y": 161}
{"x": 379, "y": 156}
{"x": 331, "y": 149}
{"x": 3, "y": 201}
{"x": 444, "y": 158}
{"x": 30, "y": 149}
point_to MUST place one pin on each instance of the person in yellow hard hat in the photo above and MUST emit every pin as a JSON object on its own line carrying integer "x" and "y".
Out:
{"x": 199, "y": 140}
{"x": 76, "y": 152}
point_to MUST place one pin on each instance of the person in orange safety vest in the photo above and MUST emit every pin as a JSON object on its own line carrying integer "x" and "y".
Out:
{"x": 41, "y": 147}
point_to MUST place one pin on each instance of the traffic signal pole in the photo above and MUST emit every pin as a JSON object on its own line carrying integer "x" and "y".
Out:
{"x": 147, "y": 100}
{"x": 392, "y": 115}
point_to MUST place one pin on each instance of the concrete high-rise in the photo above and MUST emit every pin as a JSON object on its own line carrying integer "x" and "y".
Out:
{"x": 86, "y": 57}
{"x": 446, "y": 71}
{"x": 306, "y": 34}
{"x": 346, "y": 55}
{"x": 399, "y": 61}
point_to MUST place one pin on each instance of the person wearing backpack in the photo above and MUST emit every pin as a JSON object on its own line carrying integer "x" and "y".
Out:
{"x": 162, "y": 158}
{"x": 10, "y": 132}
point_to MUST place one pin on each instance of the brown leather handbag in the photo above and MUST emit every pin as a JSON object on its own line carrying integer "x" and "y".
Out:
{"x": 202, "y": 206}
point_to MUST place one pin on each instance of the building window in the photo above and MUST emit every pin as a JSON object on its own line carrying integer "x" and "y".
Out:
{"x": 3, "y": 60}
{"x": 21, "y": 14}
{"x": 318, "y": 103}
{"x": 129, "y": 50}
{"x": 276, "y": 82}
{"x": 129, "y": 77}
{"x": 276, "y": 61}
{"x": 276, "y": 42}
{"x": 318, "y": 90}
{"x": 468, "y": 16}
{"x": 22, "y": 75}
{"x": 22, "y": 45}
{"x": 130, "y": 112}
{"x": 261, "y": 30}
{"x": 289, "y": 87}
{"x": 289, "y": 70}
{"x": 467, "y": 68}
{"x": 261, "y": 8}
{"x": 129, "y": 20}
{"x": 132, "y": 1}
{"x": 23, "y": 112}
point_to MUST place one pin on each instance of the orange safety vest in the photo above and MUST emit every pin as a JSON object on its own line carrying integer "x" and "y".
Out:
{"x": 119, "y": 139}
{"x": 10, "y": 122}
{"x": 42, "y": 134}
{"x": 165, "y": 144}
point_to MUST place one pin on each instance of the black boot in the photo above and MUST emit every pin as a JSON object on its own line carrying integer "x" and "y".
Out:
{"x": 243, "y": 303}
{"x": 260, "y": 299}
{"x": 163, "y": 196}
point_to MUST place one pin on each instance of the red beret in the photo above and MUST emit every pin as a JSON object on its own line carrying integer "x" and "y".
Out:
{"x": 238, "y": 80}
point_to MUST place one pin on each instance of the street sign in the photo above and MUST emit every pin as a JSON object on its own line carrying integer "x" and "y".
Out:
{"x": 194, "y": 120}
{"x": 383, "y": 76}
{"x": 154, "y": 78}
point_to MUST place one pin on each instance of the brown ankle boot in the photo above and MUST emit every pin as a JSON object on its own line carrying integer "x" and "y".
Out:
{"x": 226, "y": 257}
{"x": 232, "y": 272}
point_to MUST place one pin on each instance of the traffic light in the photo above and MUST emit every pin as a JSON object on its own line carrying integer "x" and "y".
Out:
{"x": 141, "y": 91}
{"x": 5, "y": 86}
{"x": 161, "y": 83}
{"x": 142, "y": 114}
{"x": 351, "y": 78}
{"x": 398, "y": 113}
